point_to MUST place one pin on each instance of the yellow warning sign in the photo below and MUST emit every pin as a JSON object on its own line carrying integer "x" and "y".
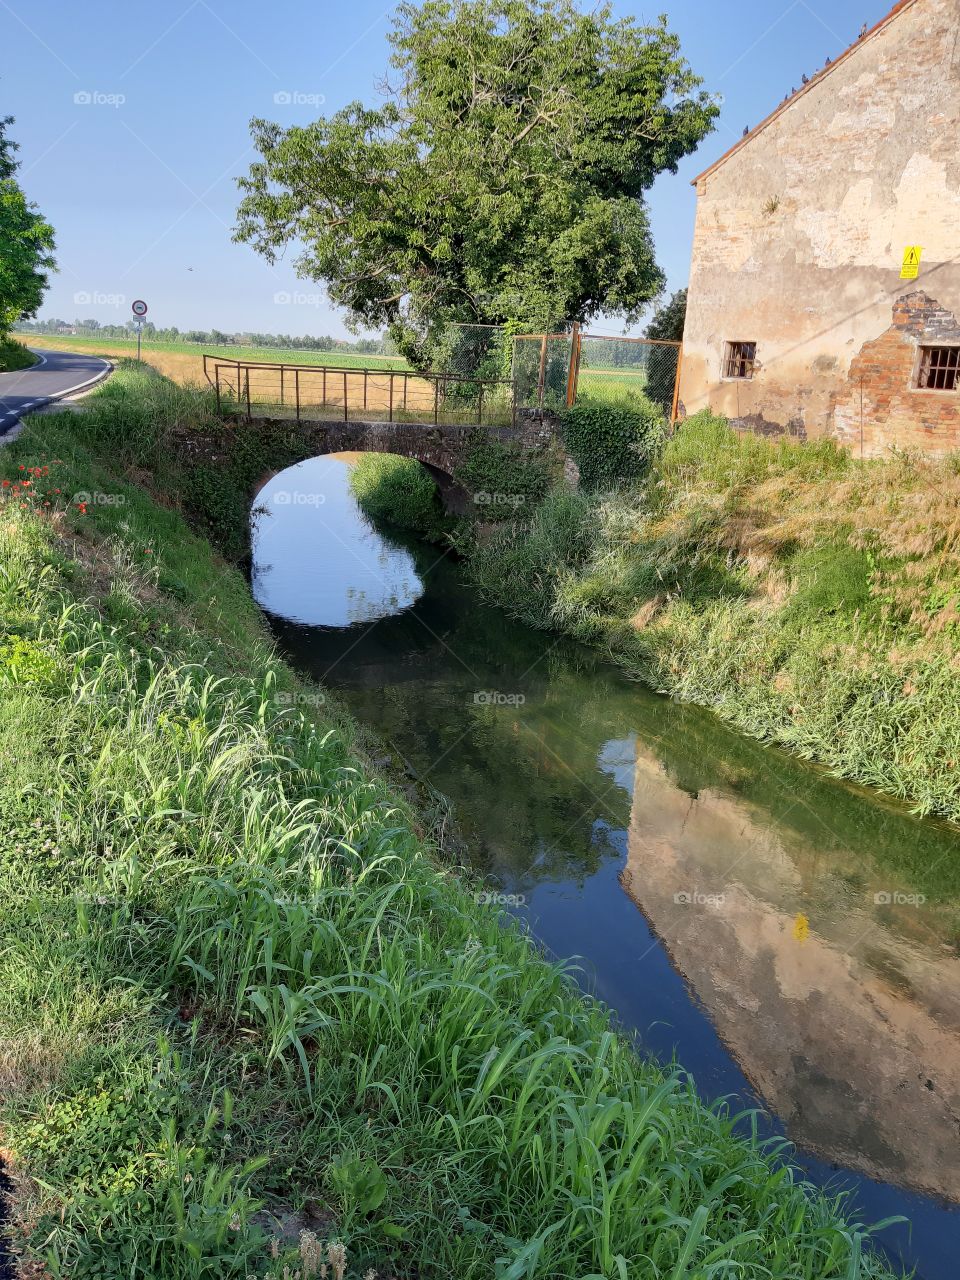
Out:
{"x": 911, "y": 262}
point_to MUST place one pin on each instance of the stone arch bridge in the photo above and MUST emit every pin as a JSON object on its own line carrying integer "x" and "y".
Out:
{"x": 244, "y": 454}
{"x": 299, "y": 411}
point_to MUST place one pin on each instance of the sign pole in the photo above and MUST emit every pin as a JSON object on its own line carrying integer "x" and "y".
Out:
{"x": 139, "y": 309}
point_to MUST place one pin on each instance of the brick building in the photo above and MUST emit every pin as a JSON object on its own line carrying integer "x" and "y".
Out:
{"x": 799, "y": 318}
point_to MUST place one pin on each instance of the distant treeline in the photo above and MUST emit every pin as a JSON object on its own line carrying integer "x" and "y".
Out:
{"x": 210, "y": 337}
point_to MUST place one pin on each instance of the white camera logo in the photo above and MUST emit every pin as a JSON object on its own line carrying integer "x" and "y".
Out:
{"x": 96, "y": 98}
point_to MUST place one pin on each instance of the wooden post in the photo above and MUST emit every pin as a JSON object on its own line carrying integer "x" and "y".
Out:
{"x": 345, "y": 414}
{"x": 436, "y": 400}
{"x": 248, "y": 395}
{"x": 281, "y": 386}
{"x": 390, "y": 419}
{"x": 296, "y": 380}
{"x": 574, "y": 365}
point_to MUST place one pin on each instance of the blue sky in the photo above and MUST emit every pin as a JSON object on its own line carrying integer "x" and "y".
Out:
{"x": 132, "y": 120}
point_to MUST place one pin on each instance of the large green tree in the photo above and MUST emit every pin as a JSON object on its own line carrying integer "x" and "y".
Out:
{"x": 500, "y": 181}
{"x": 26, "y": 242}
{"x": 668, "y": 321}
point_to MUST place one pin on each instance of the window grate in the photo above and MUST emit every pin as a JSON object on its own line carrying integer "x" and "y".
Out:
{"x": 740, "y": 360}
{"x": 939, "y": 368}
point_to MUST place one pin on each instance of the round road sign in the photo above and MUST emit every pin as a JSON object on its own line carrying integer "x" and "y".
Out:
{"x": 139, "y": 307}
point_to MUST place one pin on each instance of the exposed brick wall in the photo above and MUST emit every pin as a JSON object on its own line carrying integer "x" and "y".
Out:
{"x": 879, "y": 406}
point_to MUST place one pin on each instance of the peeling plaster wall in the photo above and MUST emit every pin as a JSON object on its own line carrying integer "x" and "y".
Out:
{"x": 799, "y": 241}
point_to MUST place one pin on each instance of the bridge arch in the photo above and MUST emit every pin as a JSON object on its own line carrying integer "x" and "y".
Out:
{"x": 440, "y": 449}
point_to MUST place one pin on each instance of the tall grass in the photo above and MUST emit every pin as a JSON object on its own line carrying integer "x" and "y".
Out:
{"x": 810, "y": 599}
{"x": 398, "y": 491}
{"x": 233, "y": 980}
{"x": 14, "y": 355}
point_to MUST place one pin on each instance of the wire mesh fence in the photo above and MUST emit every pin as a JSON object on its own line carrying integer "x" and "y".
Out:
{"x": 557, "y": 370}
{"x": 541, "y": 369}
{"x": 610, "y": 369}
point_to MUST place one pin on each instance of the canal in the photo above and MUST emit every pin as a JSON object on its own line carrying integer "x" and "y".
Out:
{"x": 793, "y": 941}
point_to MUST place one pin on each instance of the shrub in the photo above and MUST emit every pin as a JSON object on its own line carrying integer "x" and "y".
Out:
{"x": 611, "y": 442}
{"x": 398, "y": 491}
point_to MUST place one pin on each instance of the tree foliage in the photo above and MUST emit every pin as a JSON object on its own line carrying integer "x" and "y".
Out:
{"x": 668, "y": 321}
{"x": 502, "y": 178}
{"x": 26, "y": 242}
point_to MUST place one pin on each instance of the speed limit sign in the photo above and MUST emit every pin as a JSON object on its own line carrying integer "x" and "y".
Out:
{"x": 139, "y": 307}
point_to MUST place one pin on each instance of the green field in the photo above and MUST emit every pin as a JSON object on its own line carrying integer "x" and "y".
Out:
{"x": 183, "y": 361}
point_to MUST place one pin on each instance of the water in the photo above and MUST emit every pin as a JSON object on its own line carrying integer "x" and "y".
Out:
{"x": 793, "y": 940}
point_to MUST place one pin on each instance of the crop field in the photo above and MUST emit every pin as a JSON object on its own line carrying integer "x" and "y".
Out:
{"x": 183, "y": 361}
{"x": 325, "y": 388}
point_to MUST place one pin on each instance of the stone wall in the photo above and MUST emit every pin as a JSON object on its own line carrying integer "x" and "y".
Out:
{"x": 799, "y": 241}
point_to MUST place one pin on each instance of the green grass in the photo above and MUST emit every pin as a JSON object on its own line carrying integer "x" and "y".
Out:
{"x": 398, "y": 491}
{"x": 235, "y": 974}
{"x": 809, "y": 599}
{"x": 14, "y": 355}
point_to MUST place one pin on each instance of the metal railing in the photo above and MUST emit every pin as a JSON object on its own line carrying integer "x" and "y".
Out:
{"x": 301, "y": 391}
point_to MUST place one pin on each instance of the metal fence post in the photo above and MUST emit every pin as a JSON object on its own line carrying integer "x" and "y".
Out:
{"x": 574, "y": 365}
{"x": 543, "y": 371}
{"x": 676, "y": 390}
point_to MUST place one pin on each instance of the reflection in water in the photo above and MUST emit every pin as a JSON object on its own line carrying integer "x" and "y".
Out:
{"x": 355, "y": 575}
{"x": 838, "y": 1012}
{"x": 845, "y": 1020}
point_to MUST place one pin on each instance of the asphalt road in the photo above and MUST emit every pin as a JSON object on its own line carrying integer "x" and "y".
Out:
{"x": 58, "y": 374}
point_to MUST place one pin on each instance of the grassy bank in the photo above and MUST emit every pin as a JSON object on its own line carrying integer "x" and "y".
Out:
{"x": 240, "y": 998}
{"x": 811, "y": 599}
{"x": 14, "y": 355}
{"x": 398, "y": 491}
